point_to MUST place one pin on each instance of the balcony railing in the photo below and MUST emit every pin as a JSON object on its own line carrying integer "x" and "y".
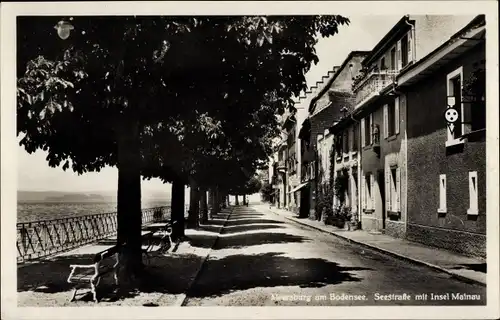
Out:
{"x": 37, "y": 239}
{"x": 373, "y": 83}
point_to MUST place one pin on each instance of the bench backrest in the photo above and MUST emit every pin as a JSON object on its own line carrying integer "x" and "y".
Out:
{"x": 106, "y": 253}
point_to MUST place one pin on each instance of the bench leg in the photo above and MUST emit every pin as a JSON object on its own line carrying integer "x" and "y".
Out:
{"x": 93, "y": 288}
{"x": 74, "y": 294}
{"x": 116, "y": 277}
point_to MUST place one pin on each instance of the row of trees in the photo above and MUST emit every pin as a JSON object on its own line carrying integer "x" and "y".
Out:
{"x": 189, "y": 100}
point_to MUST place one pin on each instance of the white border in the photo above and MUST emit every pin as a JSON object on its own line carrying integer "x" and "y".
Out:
{"x": 9, "y": 161}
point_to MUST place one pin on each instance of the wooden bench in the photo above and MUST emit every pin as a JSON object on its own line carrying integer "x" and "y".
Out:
{"x": 165, "y": 229}
{"x": 91, "y": 274}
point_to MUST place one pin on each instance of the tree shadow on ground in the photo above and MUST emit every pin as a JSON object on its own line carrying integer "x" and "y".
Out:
{"x": 251, "y": 227}
{"x": 242, "y": 272}
{"x": 246, "y": 216}
{"x": 209, "y": 228}
{"x": 168, "y": 273}
{"x": 231, "y": 223}
{"x": 479, "y": 267}
{"x": 244, "y": 240}
{"x": 173, "y": 275}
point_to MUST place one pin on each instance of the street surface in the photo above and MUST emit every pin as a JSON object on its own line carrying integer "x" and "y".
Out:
{"x": 263, "y": 259}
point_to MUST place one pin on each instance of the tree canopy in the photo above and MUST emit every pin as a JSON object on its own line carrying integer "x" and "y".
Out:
{"x": 167, "y": 97}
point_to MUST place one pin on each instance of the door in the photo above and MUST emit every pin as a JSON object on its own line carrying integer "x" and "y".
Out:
{"x": 304, "y": 202}
{"x": 381, "y": 187}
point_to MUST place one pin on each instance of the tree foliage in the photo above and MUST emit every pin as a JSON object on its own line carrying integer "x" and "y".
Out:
{"x": 167, "y": 97}
{"x": 238, "y": 70}
{"x": 266, "y": 191}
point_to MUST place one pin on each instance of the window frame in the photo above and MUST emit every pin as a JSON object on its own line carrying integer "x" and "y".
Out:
{"x": 454, "y": 139}
{"x": 404, "y": 54}
{"x": 368, "y": 192}
{"x": 442, "y": 194}
{"x": 473, "y": 194}
{"x": 393, "y": 56}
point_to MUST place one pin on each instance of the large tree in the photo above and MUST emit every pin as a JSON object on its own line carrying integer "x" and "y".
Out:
{"x": 94, "y": 99}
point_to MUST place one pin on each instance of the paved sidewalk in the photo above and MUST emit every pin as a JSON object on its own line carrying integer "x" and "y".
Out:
{"x": 43, "y": 284}
{"x": 462, "y": 267}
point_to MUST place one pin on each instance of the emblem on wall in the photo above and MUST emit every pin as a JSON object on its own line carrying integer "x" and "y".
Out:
{"x": 451, "y": 115}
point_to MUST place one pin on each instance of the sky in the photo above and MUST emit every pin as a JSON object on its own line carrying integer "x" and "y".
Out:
{"x": 34, "y": 174}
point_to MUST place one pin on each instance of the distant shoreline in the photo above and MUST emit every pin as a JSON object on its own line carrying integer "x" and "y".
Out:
{"x": 83, "y": 201}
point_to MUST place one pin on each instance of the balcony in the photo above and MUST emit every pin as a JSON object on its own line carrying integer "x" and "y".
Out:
{"x": 281, "y": 166}
{"x": 372, "y": 84}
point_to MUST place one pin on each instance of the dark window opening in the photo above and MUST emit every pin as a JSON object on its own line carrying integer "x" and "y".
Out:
{"x": 404, "y": 51}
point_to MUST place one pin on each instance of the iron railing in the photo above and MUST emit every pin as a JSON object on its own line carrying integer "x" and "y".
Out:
{"x": 373, "y": 83}
{"x": 36, "y": 239}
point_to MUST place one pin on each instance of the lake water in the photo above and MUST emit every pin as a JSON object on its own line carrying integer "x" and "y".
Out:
{"x": 32, "y": 211}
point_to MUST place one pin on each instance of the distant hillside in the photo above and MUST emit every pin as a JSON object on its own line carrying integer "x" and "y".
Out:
{"x": 104, "y": 196}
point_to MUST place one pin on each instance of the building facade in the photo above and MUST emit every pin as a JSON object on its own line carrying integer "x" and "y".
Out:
{"x": 327, "y": 106}
{"x": 381, "y": 109}
{"x": 447, "y": 165}
{"x": 410, "y": 173}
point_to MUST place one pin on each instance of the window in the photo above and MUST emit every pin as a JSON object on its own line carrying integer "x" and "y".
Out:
{"x": 473, "y": 194}
{"x": 391, "y": 118}
{"x": 473, "y": 98}
{"x": 393, "y": 189}
{"x": 382, "y": 64}
{"x": 454, "y": 89}
{"x": 442, "y": 193}
{"x": 366, "y": 127}
{"x": 355, "y": 134}
{"x": 393, "y": 59}
{"x": 368, "y": 200}
{"x": 346, "y": 141}
{"x": 404, "y": 51}
{"x": 353, "y": 188}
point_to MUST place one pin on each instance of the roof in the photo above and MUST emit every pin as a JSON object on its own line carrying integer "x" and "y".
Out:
{"x": 478, "y": 21}
{"x": 399, "y": 27}
{"x": 337, "y": 70}
{"x": 475, "y": 24}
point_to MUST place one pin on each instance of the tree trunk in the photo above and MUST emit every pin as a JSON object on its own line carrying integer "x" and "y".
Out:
{"x": 244, "y": 199}
{"x": 129, "y": 216}
{"x": 203, "y": 205}
{"x": 194, "y": 206}
{"x": 223, "y": 199}
{"x": 215, "y": 203}
{"x": 210, "y": 201}
{"x": 236, "y": 201}
{"x": 178, "y": 210}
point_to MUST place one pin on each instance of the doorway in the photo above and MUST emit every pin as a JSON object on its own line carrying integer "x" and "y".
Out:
{"x": 304, "y": 202}
{"x": 381, "y": 187}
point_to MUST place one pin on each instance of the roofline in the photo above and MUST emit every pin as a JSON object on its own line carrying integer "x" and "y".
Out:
{"x": 336, "y": 74}
{"x": 478, "y": 21}
{"x": 384, "y": 40}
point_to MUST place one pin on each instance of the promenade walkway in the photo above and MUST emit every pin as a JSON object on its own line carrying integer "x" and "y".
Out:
{"x": 459, "y": 266}
{"x": 44, "y": 283}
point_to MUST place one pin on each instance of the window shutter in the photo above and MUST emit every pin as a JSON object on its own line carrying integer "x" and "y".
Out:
{"x": 386, "y": 120}
{"x": 371, "y": 128}
{"x": 398, "y": 55}
{"x": 372, "y": 193}
{"x": 410, "y": 47}
{"x": 442, "y": 192}
{"x": 363, "y": 192}
{"x": 388, "y": 190}
{"x": 398, "y": 189}
{"x": 363, "y": 142}
{"x": 400, "y": 104}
